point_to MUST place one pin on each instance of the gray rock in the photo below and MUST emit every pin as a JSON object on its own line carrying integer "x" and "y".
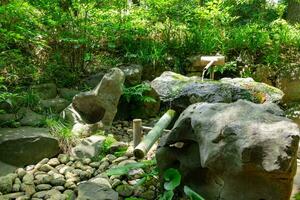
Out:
{"x": 63, "y": 158}
{"x": 125, "y": 190}
{"x": 30, "y": 118}
{"x": 28, "y": 189}
{"x": 88, "y": 147}
{"x": 90, "y": 190}
{"x": 240, "y": 150}
{"x": 68, "y": 93}
{"x": 46, "y": 168}
{"x": 180, "y": 91}
{"x": 28, "y": 179}
{"x": 53, "y": 162}
{"x": 54, "y": 105}
{"x": 133, "y": 74}
{"x": 16, "y": 187}
{"x": 12, "y": 195}
{"x": 42, "y": 187}
{"x": 45, "y": 91}
{"x": 6, "y": 183}
{"x": 21, "y": 172}
{"x": 43, "y": 179}
{"x": 99, "y": 105}
{"x": 26, "y": 145}
{"x": 101, "y": 182}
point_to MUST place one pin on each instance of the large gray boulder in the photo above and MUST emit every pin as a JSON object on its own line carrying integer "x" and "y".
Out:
{"x": 180, "y": 91}
{"x": 26, "y": 145}
{"x": 231, "y": 151}
{"x": 100, "y": 104}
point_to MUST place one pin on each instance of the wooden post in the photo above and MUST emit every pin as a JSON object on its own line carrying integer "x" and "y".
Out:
{"x": 137, "y": 131}
{"x": 141, "y": 150}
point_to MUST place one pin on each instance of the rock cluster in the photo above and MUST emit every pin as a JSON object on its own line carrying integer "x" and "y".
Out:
{"x": 66, "y": 177}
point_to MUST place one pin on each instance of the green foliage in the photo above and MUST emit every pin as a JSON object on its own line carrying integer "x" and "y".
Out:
{"x": 137, "y": 93}
{"x": 123, "y": 170}
{"x": 104, "y": 149}
{"x": 62, "y": 131}
{"x": 172, "y": 179}
{"x": 192, "y": 194}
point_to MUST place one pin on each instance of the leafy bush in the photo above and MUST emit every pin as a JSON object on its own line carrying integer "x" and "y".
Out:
{"x": 137, "y": 93}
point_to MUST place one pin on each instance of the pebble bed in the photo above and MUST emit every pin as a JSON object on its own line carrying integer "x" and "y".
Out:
{"x": 57, "y": 178}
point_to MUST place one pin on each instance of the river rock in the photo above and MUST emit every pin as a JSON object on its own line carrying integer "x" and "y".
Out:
{"x": 6, "y": 183}
{"x": 179, "y": 91}
{"x": 239, "y": 150}
{"x": 45, "y": 91}
{"x": 88, "y": 147}
{"x": 89, "y": 190}
{"x": 26, "y": 145}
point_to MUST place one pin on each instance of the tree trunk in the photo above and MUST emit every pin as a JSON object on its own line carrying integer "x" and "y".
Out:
{"x": 293, "y": 11}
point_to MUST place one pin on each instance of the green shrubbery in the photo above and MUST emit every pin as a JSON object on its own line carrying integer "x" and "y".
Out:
{"x": 65, "y": 40}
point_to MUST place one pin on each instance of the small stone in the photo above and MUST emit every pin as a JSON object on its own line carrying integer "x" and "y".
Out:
{"x": 101, "y": 182}
{"x": 70, "y": 185}
{"x": 125, "y": 162}
{"x": 86, "y": 161}
{"x": 21, "y": 172}
{"x": 125, "y": 190}
{"x": 46, "y": 168}
{"x": 42, "y": 187}
{"x": 17, "y": 181}
{"x": 58, "y": 182}
{"x": 12, "y": 195}
{"x": 53, "y": 162}
{"x": 103, "y": 166}
{"x": 95, "y": 164}
{"x": 110, "y": 157}
{"x": 43, "y": 179}
{"x": 23, "y": 197}
{"x": 28, "y": 179}
{"x": 115, "y": 183}
{"x": 16, "y": 187}
{"x": 69, "y": 193}
{"x": 6, "y": 183}
{"x": 59, "y": 188}
{"x": 63, "y": 158}
{"x": 120, "y": 159}
{"x": 65, "y": 169}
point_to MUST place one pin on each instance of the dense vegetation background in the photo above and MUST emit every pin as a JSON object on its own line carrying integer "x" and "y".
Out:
{"x": 65, "y": 40}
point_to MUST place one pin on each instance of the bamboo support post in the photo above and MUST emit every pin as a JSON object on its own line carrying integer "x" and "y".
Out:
{"x": 137, "y": 131}
{"x": 141, "y": 150}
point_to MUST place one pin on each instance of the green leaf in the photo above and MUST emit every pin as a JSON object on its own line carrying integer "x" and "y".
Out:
{"x": 192, "y": 194}
{"x": 168, "y": 195}
{"x": 172, "y": 179}
{"x": 122, "y": 170}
